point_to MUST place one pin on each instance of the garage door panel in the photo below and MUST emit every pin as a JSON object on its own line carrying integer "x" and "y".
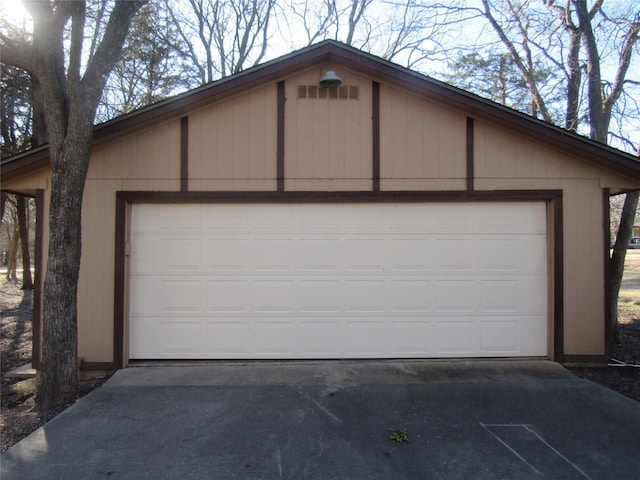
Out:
{"x": 366, "y": 338}
{"x": 273, "y": 253}
{"x": 413, "y": 337}
{"x": 231, "y": 338}
{"x": 408, "y": 254}
{"x": 499, "y": 254}
{"x": 233, "y": 219}
{"x": 157, "y": 337}
{"x": 149, "y": 251}
{"x": 456, "y": 337}
{"x": 366, "y": 296}
{"x": 180, "y": 296}
{"x": 318, "y": 253}
{"x": 272, "y": 296}
{"x": 363, "y": 253}
{"x": 456, "y": 296}
{"x": 499, "y": 337}
{"x": 500, "y": 296}
{"x": 274, "y": 338}
{"x": 515, "y": 294}
{"x": 227, "y": 296}
{"x": 338, "y": 280}
{"x": 321, "y": 296}
{"x": 455, "y": 254}
{"x": 327, "y": 335}
{"x": 412, "y": 296}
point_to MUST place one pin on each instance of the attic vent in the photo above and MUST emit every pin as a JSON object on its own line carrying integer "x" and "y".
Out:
{"x": 342, "y": 92}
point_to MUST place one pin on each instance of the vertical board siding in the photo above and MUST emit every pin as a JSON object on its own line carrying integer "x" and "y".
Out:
{"x": 329, "y": 141}
{"x": 233, "y": 144}
{"x": 153, "y": 153}
{"x": 422, "y": 144}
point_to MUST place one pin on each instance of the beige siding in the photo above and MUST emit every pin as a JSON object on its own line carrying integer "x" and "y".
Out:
{"x": 29, "y": 183}
{"x": 232, "y": 144}
{"x": 422, "y": 145}
{"x": 328, "y": 141}
{"x": 584, "y": 261}
{"x": 502, "y": 155}
{"x": 151, "y": 154}
{"x": 96, "y": 282}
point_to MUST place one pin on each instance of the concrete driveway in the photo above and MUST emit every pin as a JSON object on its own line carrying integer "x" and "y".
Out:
{"x": 331, "y": 420}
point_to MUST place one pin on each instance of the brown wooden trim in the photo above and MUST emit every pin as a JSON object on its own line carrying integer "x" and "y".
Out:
{"x": 592, "y": 359}
{"x": 470, "y": 157}
{"x": 280, "y": 139}
{"x": 36, "y": 315}
{"x": 98, "y": 366}
{"x": 606, "y": 222}
{"x": 375, "y": 120}
{"x": 184, "y": 154}
{"x": 342, "y": 196}
{"x": 558, "y": 279}
{"x": 119, "y": 282}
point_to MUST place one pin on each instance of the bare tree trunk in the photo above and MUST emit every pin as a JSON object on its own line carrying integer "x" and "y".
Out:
{"x": 23, "y": 228}
{"x": 12, "y": 260}
{"x": 3, "y": 202}
{"x": 625, "y": 232}
{"x": 58, "y": 382}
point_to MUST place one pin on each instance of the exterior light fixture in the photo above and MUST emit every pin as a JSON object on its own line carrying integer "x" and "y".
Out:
{"x": 330, "y": 79}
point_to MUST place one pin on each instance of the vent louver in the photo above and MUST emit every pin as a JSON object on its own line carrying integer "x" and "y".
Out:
{"x": 343, "y": 92}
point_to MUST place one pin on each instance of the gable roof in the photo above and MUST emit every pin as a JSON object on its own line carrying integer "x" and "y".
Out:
{"x": 375, "y": 67}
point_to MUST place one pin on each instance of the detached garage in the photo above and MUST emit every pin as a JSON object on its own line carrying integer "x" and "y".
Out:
{"x": 265, "y": 216}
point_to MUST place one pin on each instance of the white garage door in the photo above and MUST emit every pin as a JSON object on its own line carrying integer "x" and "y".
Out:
{"x": 338, "y": 280}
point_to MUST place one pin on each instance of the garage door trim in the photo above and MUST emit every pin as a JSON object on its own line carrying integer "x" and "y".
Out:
{"x": 124, "y": 199}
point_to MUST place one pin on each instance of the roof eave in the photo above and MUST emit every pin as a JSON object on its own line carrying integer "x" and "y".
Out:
{"x": 377, "y": 68}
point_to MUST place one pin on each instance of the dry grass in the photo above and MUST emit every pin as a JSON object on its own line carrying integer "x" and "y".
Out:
{"x": 629, "y": 298}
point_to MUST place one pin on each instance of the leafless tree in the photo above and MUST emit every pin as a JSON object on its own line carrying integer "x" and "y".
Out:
{"x": 71, "y": 85}
{"x": 223, "y": 37}
{"x": 16, "y": 216}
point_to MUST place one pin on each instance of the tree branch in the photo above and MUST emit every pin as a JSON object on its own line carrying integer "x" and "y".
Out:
{"x": 77, "y": 38}
{"x": 631, "y": 38}
{"x": 526, "y": 74}
{"x": 109, "y": 49}
{"x": 18, "y": 53}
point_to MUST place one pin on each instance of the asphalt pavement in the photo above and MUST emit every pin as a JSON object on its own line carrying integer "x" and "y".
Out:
{"x": 481, "y": 420}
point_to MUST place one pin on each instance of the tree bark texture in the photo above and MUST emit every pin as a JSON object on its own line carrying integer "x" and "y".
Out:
{"x": 625, "y": 232}
{"x": 58, "y": 377}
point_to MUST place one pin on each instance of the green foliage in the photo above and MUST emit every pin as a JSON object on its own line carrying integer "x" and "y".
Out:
{"x": 154, "y": 65}
{"x": 495, "y": 76}
{"x": 17, "y": 114}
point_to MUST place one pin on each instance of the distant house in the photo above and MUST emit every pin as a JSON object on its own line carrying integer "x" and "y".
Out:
{"x": 386, "y": 215}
